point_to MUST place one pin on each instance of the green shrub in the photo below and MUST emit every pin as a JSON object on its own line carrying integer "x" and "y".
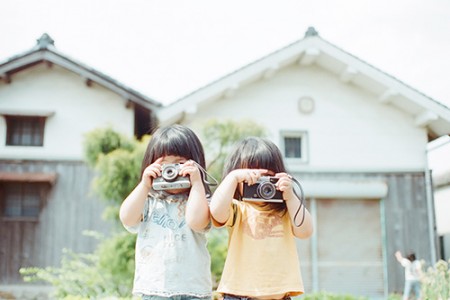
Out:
{"x": 395, "y": 297}
{"x": 331, "y": 296}
{"x": 106, "y": 272}
{"x": 436, "y": 281}
{"x": 217, "y": 246}
{"x": 102, "y": 141}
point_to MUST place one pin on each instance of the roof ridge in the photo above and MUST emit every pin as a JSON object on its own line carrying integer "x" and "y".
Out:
{"x": 45, "y": 41}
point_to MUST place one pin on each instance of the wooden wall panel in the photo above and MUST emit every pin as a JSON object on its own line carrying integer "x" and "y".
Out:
{"x": 70, "y": 209}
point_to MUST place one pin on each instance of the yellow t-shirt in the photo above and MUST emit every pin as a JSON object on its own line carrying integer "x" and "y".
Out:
{"x": 262, "y": 257}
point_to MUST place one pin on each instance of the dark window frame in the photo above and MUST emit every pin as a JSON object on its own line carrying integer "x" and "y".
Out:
{"x": 25, "y": 131}
{"x": 301, "y": 154}
{"x": 22, "y": 192}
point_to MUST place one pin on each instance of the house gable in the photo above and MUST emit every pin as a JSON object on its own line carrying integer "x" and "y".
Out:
{"x": 69, "y": 99}
{"x": 313, "y": 50}
{"x": 45, "y": 53}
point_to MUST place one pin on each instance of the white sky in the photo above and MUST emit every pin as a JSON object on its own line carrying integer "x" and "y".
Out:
{"x": 166, "y": 49}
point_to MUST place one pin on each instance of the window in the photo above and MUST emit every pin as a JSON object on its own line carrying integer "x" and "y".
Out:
{"x": 23, "y": 195}
{"x": 142, "y": 121}
{"x": 21, "y": 200}
{"x": 25, "y": 130}
{"x": 294, "y": 145}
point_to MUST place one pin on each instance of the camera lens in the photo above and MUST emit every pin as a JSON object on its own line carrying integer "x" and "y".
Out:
{"x": 266, "y": 190}
{"x": 169, "y": 173}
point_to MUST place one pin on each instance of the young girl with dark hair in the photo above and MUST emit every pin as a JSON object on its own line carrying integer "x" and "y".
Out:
{"x": 262, "y": 260}
{"x": 413, "y": 274}
{"x": 170, "y": 219}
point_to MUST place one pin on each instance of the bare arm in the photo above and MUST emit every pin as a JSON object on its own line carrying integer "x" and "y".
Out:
{"x": 399, "y": 256}
{"x": 221, "y": 200}
{"x": 131, "y": 209}
{"x": 297, "y": 212}
{"x": 197, "y": 209}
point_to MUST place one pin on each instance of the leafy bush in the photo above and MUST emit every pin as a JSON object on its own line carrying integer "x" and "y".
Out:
{"x": 98, "y": 275}
{"x": 102, "y": 141}
{"x": 331, "y": 296}
{"x": 436, "y": 281}
{"x": 395, "y": 297}
{"x": 217, "y": 246}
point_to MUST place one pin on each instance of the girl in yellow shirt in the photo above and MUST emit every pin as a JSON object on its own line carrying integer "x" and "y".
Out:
{"x": 262, "y": 260}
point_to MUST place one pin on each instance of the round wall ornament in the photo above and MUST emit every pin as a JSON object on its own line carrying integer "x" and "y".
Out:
{"x": 306, "y": 104}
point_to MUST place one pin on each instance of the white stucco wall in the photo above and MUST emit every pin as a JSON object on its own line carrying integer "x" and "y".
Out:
{"x": 349, "y": 129}
{"x": 77, "y": 109}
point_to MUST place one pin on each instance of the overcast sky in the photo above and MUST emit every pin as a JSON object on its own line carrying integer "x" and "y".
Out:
{"x": 167, "y": 49}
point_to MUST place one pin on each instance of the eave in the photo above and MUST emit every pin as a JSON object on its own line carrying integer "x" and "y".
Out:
{"x": 48, "y": 54}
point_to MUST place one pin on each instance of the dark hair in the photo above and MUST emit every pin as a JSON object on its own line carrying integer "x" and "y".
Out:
{"x": 411, "y": 257}
{"x": 175, "y": 140}
{"x": 256, "y": 153}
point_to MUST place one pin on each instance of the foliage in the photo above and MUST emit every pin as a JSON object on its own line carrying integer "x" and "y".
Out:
{"x": 220, "y": 137}
{"x": 97, "y": 275}
{"x": 217, "y": 246}
{"x": 331, "y": 296}
{"x": 117, "y": 161}
{"x": 103, "y": 141}
{"x": 117, "y": 175}
{"x": 394, "y": 297}
{"x": 436, "y": 281}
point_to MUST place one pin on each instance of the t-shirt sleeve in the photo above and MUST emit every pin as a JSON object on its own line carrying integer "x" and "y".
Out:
{"x": 231, "y": 218}
{"x": 134, "y": 229}
{"x": 405, "y": 262}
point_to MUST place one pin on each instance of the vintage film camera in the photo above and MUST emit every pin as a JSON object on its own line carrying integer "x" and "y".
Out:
{"x": 170, "y": 179}
{"x": 264, "y": 190}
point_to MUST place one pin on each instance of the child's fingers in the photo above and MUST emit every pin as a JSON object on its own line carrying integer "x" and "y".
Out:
{"x": 253, "y": 175}
{"x": 281, "y": 175}
{"x": 284, "y": 183}
{"x": 153, "y": 170}
{"x": 188, "y": 170}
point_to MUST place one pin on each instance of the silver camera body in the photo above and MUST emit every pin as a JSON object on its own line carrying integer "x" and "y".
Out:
{"x": 170, "y": 179}
{"x": 264, "y": 190}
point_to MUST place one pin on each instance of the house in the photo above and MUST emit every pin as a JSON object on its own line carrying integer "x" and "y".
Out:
{"x": 48, "y": 102}
{"x": 356, "y": 137}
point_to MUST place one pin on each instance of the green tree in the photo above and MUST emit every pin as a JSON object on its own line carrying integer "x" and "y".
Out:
{"x": 219, "y": 137}
{"x": 102, "y": 141}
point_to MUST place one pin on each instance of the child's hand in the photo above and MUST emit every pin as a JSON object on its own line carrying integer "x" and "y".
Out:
{"x": 284, "y": 185}
{"x": 190, "y": 168}
{"x": 250, "y": 176}
{"x": 151, "y": 172}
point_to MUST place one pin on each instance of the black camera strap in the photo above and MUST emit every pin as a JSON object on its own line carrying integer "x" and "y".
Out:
{"x": 205, "y": 176}
{"x": 301, "y": 197}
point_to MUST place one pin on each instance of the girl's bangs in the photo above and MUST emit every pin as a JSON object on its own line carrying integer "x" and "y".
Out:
{"x": 176, "y": 147}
